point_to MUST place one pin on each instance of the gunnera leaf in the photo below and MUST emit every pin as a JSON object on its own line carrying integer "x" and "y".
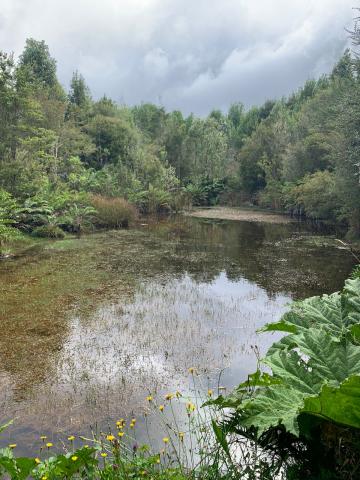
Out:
{"x": 340, "y": 404}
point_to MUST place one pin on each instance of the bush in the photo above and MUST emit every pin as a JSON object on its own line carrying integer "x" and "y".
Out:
{"x": 316, "y": 193}
{"x": 271, "y": 196}
{"x": 113, "y": 212}
{"x": 153, "y": 200}
{"x": 8, "y": 209}
{"x": 206, "y": 192}
{"x": 48, "y": 231}
{"x": 76, "y": 218}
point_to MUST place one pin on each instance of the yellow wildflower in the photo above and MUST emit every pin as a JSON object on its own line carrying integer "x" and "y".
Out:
{"x": 12, "y": 445}
{"x": 49, "y": 445}
{"x": 43, "y": 437}
{"x": 74, "y": 458}
{"x": 178, "y": 394}
{"x": 181, "y": 436}
{"x": 44, "y": 477}
{"x": 110, "y": 438}
{"x": 120, "y": 434}
{"x": 169, "y": 396}
{"x": 166, "y": 440}
{"x": 37, "y": 460}
{"x": 71, "y": 438}
{"x": 192, "y": 370}
{"x": 132, "y": 425}
{"x": 103, "y": 454}
{"x": 133, "y": 420}
{"x": 210, "y": 392}
{"x": 149, "y": 398}
{"x": 161, "y": 408}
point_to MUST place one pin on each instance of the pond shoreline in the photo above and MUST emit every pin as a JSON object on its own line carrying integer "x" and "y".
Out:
{"x": 240, "y": 214}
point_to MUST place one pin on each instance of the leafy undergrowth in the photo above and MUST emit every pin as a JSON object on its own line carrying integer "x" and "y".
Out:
{"x": 87, "y": 463}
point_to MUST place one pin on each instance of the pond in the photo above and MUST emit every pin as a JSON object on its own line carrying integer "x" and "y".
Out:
{"x": 91, "y": 326}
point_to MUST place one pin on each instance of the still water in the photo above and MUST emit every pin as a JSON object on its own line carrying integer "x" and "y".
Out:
{"x": 91, "y": 326}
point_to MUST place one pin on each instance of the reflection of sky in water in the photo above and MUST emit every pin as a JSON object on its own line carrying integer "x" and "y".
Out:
{"x": 184, "y": 306}
{"x": 169, "y": 327}
{"x": 149, "y": 345}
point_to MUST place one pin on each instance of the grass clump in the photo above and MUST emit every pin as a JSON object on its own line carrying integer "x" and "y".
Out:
{"x": 48, "y": 231}
{"x": 113, "y": 212}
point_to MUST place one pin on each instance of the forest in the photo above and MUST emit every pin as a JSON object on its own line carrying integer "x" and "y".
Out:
{"x": 67, "y": 160}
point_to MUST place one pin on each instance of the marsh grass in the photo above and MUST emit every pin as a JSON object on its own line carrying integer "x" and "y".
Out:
{"x": 113, "y": 212}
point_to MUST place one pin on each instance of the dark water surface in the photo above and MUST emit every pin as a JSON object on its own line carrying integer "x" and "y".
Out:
{"x": 90, "y": 326}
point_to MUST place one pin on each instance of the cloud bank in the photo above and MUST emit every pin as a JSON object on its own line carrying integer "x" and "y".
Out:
{"x": 187, "y": 55}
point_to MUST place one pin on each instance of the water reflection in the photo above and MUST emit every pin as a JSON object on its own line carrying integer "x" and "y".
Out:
{"x": 90, "y": 326}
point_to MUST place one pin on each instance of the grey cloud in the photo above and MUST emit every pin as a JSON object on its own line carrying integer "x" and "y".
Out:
{"x": 189, "y": 55}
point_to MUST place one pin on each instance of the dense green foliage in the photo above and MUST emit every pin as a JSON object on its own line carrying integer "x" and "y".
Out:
{"x": 298, "y": 154}
{"x": 307, "y": 410}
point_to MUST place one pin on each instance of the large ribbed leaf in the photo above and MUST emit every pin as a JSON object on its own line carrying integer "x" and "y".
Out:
{"x": 351, "y": 301}
{"x": 290, "y": 366}
{"x": 335, "y": 313}
{"x": 271, "y": 407}
{"x": 330, "y": 360}
{"x": 339, "y": 404}
{"x": 325, "y": 311}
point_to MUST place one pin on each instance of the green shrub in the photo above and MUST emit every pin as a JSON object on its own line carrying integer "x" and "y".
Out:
{"x": 206, "y": 191}
{"x": 153, "y": 200}
{"x": 34, "y": 213}
{"x": 271, "y": 196}
{"x": 113, "y": 212}
{"x": 8, "y": 211}
{"x": 7, "y": 235}
{"x": 48, "y": 231}
{"x": 316, "y": 194}
{"x": 76, "y": 218}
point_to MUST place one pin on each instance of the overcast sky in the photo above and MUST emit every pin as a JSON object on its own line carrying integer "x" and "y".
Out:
{"x": 192, "y": 55}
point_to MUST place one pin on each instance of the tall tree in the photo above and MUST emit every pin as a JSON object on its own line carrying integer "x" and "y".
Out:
{"x": 36, "y": 57}
{"x": 79, "y": 93}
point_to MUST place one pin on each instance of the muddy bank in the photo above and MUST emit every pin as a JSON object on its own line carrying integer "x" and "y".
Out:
{"x": 238, "y": 213}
